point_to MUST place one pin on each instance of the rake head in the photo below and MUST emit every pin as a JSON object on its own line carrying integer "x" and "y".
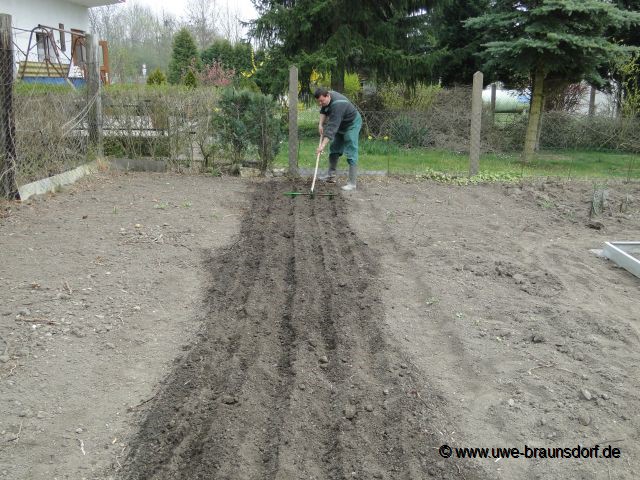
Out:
{"x": 309, "y": 194}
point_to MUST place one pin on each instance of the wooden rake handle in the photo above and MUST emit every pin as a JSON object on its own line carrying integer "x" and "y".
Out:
{"x": 315, "y": 173}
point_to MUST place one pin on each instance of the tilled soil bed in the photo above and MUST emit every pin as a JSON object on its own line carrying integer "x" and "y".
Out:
{"x": 292, "y": 375}
{"x": 166, "y": 326}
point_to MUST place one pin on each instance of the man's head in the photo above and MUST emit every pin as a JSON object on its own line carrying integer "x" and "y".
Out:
{"x": 322, "y": 96}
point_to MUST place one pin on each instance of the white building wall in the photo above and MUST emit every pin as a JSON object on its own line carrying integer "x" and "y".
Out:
{"x": 28, "y": 14}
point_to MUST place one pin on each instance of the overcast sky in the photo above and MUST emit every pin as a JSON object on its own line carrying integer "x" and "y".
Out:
{"x": 177, "y": 7}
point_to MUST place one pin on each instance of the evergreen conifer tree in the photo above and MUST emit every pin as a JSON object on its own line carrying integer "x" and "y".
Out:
{"x": 543, "y": 38}
{"x": 384, "y": 39}
{"x": 455, "y": 48}
{"x": 184, "y": 54}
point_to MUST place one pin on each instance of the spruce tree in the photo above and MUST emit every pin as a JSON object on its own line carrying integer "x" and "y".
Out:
{"x": 543, "y": 38}
{"x": 184, "y": 54}
{"x": 455, "y": 48}
{"x": 627, "y": 76}
{"x": 384, "y": 39}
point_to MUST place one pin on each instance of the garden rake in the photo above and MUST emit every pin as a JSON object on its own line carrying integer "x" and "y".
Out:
{"x": 312, "y": 194}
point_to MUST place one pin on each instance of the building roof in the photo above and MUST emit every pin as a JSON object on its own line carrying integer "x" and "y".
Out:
{"x": 95, "y": 3}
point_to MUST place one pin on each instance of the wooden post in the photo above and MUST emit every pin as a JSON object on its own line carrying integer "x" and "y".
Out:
{"x": 94, "y": 96}
{"x": 476, "y": 124}
{"x": 493, "y": 104}
{"x": 592, "y": 101}
{"x": 293, "y": 121}
{"x": 8, "y": 187}
{"x": 105, "y": 72}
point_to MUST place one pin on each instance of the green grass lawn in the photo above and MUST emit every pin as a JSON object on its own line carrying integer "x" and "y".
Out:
{"x": 386, "y": 156}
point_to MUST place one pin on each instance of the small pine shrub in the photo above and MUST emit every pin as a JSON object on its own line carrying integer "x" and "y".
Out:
{"x": 157, "y": 77}
{"x": 189, "y": 80}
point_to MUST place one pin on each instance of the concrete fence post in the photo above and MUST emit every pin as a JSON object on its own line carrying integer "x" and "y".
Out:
{"x": 476, "y": 124}
{"x": 592, "y": 101}
{"x": 8, "y": 158}
{"x": 293, "y": 121}
{"x": 94, "y": 96}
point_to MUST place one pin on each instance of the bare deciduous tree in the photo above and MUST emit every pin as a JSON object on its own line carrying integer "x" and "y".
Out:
{"x": 136, "y": 36}
{"x": 202, "y": 19}
{"x": 229, "y": 24}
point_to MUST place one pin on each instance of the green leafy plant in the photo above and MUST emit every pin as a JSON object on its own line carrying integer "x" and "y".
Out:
{"x": 442, "y": 177}
{"x": 631, "y": 84}
{"x": 352, "y": 85}
{"x": 263, "y": 127}
{"x": 409, "y": 132}
{"x": 230, "y": 124}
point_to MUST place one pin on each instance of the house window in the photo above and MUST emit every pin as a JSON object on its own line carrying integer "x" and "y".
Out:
{"x": 46, "y": 49}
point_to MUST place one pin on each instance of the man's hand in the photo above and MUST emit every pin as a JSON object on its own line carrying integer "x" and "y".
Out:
{"x": 320, "y": 129}
{"x": 323, "y": 143}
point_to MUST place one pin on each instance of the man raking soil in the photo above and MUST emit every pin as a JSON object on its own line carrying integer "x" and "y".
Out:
{"x": 343, "y": 123}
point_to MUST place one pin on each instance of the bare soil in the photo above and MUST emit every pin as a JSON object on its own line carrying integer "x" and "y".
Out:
{"x": 157, "y": 326}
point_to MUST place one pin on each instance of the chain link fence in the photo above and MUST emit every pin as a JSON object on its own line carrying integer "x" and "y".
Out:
{"x": 177, "y": 125}
{"x": 563, "y": 131}
{"x": 446, "y": 125}
{"x": 51, "y": 130}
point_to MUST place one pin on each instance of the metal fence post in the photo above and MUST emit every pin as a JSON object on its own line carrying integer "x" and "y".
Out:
{"x": 94, "y": 96}
{"x": 476, "y": 124}
{"x": 293, "y": 121}
{"x": 8, "y": 187}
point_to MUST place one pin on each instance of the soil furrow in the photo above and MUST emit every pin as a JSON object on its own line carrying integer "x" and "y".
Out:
{"x": 307, "y": 425}
{"x": 271, "y": 456}
{"x": 292, "y": 376}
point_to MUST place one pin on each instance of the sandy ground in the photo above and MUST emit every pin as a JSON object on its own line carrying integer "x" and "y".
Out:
{"x": 164, "y": 326}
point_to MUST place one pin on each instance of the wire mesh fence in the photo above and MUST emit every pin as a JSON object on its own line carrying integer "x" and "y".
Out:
{"x": 51, "y": 130}
{"x": 436, "y": 137}
{"x": 178, "y": 125}
{"x": 561, "y": 130}
{"x": 444, "y": 125}
{"x": 8, "y": 161}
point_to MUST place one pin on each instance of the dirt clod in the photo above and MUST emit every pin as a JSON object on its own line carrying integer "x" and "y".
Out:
{"x": 228, "y": 399}
{"x": 584, "y": 419}
{"x": 350, "y": 412}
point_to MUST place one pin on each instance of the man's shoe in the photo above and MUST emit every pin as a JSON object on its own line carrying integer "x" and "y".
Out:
{"x": 349, "y": 187}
